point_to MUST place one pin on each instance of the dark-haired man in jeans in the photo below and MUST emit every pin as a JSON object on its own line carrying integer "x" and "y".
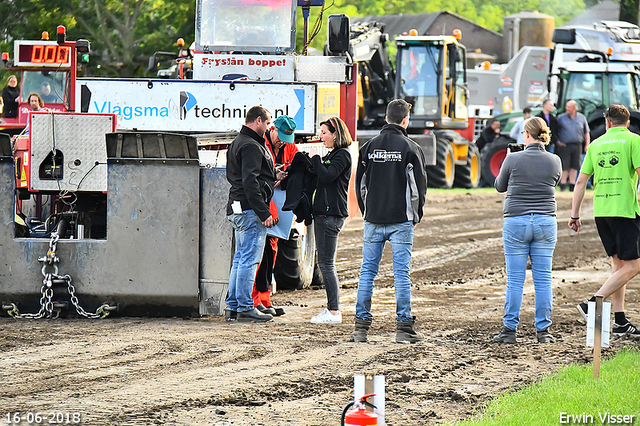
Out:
{"x": 391, "y": 187}
{"x": 252, "y": 175}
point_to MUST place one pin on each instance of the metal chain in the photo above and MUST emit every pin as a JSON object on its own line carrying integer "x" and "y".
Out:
{"x": 100, "y": 312}
{"x": 47, "y": 294}
{"x": 46, "y": 301}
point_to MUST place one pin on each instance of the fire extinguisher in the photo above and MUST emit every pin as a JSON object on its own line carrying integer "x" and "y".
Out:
{"x": 360, "y": 417}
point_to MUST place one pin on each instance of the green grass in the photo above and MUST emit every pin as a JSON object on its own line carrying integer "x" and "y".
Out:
{"x": 574, "y": 391}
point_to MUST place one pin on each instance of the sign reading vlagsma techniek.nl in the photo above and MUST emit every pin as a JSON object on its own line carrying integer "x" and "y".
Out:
{"x": 195, "y": 106}
{"x": 605, "y": 418}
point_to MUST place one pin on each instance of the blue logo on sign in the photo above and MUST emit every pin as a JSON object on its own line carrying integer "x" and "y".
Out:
{"x": 187, "y": 102}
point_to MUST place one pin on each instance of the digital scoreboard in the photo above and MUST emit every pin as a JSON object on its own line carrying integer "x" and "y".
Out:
{"x": 41, "y": 53}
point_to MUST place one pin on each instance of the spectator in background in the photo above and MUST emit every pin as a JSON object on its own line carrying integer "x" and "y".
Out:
{"x": 529, "y": 178}
{"x": 516, "y": 131}
{"x": 552, "y": 122}
{"x": 573, "y": 140}
{"x": 489, "y": 134}
{"x": 10, "y": 95}
{"x": 330, "y": 208}
{"x": 35, "y": 102}
{"x": 46, "y": 94}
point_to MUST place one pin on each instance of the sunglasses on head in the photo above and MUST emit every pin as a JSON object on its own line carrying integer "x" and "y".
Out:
{"x": 331, "y": 124}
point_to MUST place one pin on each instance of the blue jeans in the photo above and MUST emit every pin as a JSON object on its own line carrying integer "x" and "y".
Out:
{"x": 375, "y": 235}
{"x": 250, "y": 235}
{"x": 529, "y": 236}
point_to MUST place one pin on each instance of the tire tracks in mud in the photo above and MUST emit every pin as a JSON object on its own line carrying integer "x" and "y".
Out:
{"x": 125, "y": 371}
{"x": 157, "y": 371}
{"x": 444, "y": 241}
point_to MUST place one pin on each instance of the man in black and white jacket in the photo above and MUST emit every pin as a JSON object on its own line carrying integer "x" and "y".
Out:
{"x": 391, "y": 187}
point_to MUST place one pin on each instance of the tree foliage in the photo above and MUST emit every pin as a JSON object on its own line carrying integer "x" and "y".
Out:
{"x": 124, "y": 33}
{"x": 488, "y": 14}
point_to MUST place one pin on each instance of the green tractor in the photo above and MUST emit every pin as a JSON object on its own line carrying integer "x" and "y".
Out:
{"x": 590, "y": 80}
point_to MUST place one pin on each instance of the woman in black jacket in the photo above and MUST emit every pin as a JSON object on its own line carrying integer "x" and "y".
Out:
{"x": 10, "y": 95}
{"x": 330, "y": 208}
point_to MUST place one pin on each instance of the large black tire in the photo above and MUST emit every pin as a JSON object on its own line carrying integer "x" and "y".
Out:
{"x": 442, "y": 174}
{"x": 295, "y": 263}
{"x": 468, "y": 176}
{"x": 317, "y": 282}
{"x": 492, "y": 156}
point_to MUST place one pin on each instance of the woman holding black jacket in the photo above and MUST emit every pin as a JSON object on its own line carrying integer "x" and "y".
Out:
{"x": 330, "y": 209}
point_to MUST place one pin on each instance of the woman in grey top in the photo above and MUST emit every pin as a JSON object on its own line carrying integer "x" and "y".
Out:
{"x": 529, "y": 178}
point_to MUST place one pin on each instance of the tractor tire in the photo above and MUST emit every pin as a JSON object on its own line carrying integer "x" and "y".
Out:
{"x": 442, "y": 174}
{"x": 317, "y": 282}
{"x": 492, "y": 156}
{"x": 295, "y": 263}
{"x": 468, "y": 176}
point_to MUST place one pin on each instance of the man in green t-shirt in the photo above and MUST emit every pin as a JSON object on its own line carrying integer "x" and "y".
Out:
{"x": 614, "y": 160}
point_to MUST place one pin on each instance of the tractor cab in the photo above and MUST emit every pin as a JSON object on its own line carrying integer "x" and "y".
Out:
{"x": 431, "y": 75}
{"x": 51, "y": 86}
{"x": 596, "y": 86}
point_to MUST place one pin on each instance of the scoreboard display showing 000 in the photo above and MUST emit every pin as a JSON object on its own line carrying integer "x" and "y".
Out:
{"x": 41, "y": 54}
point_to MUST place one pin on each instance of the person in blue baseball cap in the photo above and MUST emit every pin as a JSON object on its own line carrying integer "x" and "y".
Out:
{"x": 286, "y": 126}
{"x": 279, "y": 141}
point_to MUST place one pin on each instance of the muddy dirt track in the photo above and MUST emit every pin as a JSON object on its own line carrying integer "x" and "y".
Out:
{"x": 140, "y": 371}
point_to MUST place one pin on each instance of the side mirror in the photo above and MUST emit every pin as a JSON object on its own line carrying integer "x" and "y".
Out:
{"x": 153, "y": 64}
{"x": 338, "y": 33}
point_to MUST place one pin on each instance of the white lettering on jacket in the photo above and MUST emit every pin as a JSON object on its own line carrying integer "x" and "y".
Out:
{"x": 382, "y": 156}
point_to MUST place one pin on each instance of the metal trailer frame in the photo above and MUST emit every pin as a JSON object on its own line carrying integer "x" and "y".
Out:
{"x": 216, "y": 240}
{"x": 149, "y": 263}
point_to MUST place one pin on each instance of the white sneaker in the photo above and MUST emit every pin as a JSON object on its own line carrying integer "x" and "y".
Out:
{"x": 326, "y": 317}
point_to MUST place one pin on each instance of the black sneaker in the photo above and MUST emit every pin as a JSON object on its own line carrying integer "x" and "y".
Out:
{"x": 625, "y": 330}
{"x": 266, "y": 310}
{"x": 279, "y": 311}
{"x": 506, "y": 335}
{"x": 583, "y": 308}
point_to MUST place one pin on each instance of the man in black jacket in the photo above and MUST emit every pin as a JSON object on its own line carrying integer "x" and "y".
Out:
{"x": 552, "y": 122}
{"x": 489, "y": 134}
{"x": 252, "y": 175}
{"x": 391, "y": 187}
